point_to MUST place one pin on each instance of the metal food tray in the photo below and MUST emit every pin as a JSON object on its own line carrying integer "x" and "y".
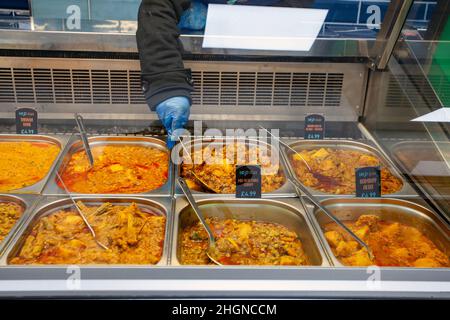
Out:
{"x": 409, "y": 153}
{"x": 76, "y": 144}
{"x": 398, "y": 210}
{"x": 405, "y": 191}
{"x": 26, "y": 202}
{"x": 49, "y": 205}
{"x": 286, "y": 190}
{"x": 59, "y": 140}
{"x": 284, "y": 211}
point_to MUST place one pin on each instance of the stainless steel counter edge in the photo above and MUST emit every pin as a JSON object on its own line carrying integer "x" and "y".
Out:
{"x": 173, "y": 282}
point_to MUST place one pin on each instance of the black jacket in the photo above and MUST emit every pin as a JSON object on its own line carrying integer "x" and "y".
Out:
{"x": 163, "y": 73}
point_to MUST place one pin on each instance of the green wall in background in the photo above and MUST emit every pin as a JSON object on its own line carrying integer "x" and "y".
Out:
{"x": 439, "y": 73}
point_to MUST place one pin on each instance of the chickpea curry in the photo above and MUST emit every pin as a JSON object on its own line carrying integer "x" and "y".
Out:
{"x": 393, "y": 244}
{"x": 242, "y": 243}
{"x": 10, "y": 212}
{"x": 132, "y": 235}
{"x": 25, "y": 163}
{"x": 117, "y": 169}
{"x": 217, "y": 168}
{"x": 333, "y": 170}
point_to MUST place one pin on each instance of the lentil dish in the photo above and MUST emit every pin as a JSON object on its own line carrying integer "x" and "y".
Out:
{"x": 333, "y": 170}
{"x": 393, "y": 244}
{"x": 132, "y": 236}
{"x": 242, "y": 243}
{"x": 25, "y": 163}
{"x": 10, "y": 212}
{"x": 218, "y": 168}
{"x": 117, "y": 169}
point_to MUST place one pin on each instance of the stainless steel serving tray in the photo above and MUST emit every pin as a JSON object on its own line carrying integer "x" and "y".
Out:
{"x": 284, "y": 211}
{"x": 27, "y": 203}
{"x": 398, "y": 210}
{"x": 59, "y": 140}
{"x": 286, "y": 190}
{"x": 405, "y": 191}
{"x": 408, "y": 154}
{"x": 75, "y": 145}
{"x": 49, "y": 205}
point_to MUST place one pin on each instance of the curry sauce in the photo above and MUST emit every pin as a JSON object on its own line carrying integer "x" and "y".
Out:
{"x": 117, "y": 169}
{"x": 242, "y": 243}
{"x": 132, "y": 236}
{"x": 393, "y": 244}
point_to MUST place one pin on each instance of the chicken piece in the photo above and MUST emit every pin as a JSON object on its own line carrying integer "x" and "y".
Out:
{"x": 320, "y": 154}
{"x": 116, "y": 168}
{"x": 287, "y": 261}
{"x": 244, "y": 231}
{"x": 359, "y": 258}
{"x": 400, "y": 254}
{"x": 328, "y": 165}
{"x": 193, "y": 185}
{"x": 426, "y": 263}
{"x": 344, "y": 249}
{"x": 362, "y": 232}
{"x": 333, "y": 238}
{"x": 392, "y": 231}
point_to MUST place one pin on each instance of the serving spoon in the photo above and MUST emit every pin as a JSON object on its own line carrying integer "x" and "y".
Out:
{"x": 211, "y": 252}
{"x": 86, "y": 222}
{"x": 316, "y": 202}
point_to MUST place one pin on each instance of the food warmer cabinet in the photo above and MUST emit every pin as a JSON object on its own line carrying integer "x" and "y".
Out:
{"x": 368, "y": 89}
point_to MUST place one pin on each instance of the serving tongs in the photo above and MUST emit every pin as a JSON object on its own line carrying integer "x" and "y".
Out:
{"x": 199, "y": 180}
{"x": 211, "y": 252}
{"x": 80, "y": 212}
{"x": 83, "y": 134}
{"x": 316, "y": 202}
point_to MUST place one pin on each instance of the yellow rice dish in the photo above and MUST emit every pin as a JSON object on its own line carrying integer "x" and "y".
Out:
{"x": 25, "y": 163}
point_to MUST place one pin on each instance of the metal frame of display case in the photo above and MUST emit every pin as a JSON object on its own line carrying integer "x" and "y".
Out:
{"x": 214, "y": 282}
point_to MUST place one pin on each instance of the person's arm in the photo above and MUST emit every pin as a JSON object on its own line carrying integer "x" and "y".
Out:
{"x": 163, "y": 73}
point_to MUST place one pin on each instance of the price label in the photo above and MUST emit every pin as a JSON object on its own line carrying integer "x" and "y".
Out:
{"x": 26, "y": 121}
{"x": 314, "y": 126}
{"x": 368, "y": 182}
{"x": 248, "y": 182}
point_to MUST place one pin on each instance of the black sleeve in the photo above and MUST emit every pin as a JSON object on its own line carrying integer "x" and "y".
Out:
{"x": 163, "y": 73}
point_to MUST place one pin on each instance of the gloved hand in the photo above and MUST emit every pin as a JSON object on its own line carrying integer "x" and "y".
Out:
{"x": 194, "y": 18}
{"x": 174, "y": 114}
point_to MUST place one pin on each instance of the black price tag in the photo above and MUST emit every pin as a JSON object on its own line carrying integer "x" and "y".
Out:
{"x": 368, "y": 182}
{"x": 314, "y": 127}
{"x": 26, "y": 121}
{"x": 248, "y": 182}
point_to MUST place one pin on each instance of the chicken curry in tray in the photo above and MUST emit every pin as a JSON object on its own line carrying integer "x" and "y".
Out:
{"x": 217, "y": 168}
{"x": 333, "y": 170}
{"x": 24, "y": 163}
{"x": 10, "y": 212}
{"x": 393, "y": 244}
{"x": 242, "y": 243}
{"x": 132, "y": 235}
{"x": 117, "y": 169}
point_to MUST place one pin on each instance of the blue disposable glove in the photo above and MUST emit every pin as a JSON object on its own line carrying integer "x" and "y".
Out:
{"x": 174, "y": 114}
{"x": 194, "y": 18}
